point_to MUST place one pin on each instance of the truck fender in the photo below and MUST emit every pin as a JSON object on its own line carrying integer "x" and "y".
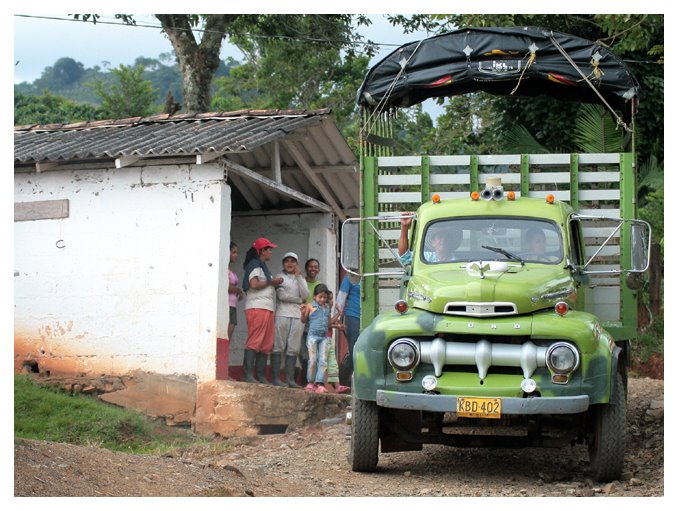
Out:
{"x": 619, "y": 370}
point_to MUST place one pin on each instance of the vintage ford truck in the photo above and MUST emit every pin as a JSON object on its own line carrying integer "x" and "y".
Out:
{"x": 509, "y": 318}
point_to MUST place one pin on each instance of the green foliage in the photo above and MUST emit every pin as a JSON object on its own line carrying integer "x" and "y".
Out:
{"x": 650, "y": 342}
{"x": 162, "y": 73}
{"x": 64, "y": 73}
{"x": 631, "y": 32}
{"x": 520, "y": 141}
{"x": 413, "y": 131}
{"x": 582, "y": 25}
{"x": 596, "y": 131}
{"x": 649, "y": 122}
{"x": 338, "y": 90}
{"x": 239, "y": 90}
{"x": 130, "y": 96}
{"x": 295, "y": 62}
{"x": 48, "y": 109}
{"x": 462, "y": 128}
{"x": 653, "y": 213}
{"x": 657, "y": 51}
{"x": 650, "y": 178}
{"x": 300, "y": 56}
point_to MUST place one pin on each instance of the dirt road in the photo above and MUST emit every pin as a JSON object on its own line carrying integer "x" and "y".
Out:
{"x": 312, "y": 462}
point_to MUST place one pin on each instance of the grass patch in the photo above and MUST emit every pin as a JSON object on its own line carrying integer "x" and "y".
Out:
{"x": 46, "y": 413}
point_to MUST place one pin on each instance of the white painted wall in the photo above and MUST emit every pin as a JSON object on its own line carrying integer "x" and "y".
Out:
{"x": 306, "y": 234}
{"x": 136, "y": 284}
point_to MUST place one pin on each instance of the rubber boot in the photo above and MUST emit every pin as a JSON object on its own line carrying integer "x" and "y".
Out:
{"x": 248, "y": 366}
{"x": 260, "y": 368}
{"x": 275, "y": 370}
{"x": 290, "y": 370}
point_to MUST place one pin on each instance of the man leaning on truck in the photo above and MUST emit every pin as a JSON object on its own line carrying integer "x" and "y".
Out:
{"x": 439, "y": 245}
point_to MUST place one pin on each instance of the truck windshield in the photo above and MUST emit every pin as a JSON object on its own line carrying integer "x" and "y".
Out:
{"x": 473, "y": 239}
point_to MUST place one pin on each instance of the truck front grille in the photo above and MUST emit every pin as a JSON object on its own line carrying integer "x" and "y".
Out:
{"x": 480, "y": 309}
{"x": 483, "y": 354}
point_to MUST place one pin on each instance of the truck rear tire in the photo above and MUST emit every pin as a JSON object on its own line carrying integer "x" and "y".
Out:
{"x": 364, "y": 450}
{"x": 606, "y": 453}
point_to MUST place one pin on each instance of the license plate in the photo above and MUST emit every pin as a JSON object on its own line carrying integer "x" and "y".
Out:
{"x": 480, "y": 407}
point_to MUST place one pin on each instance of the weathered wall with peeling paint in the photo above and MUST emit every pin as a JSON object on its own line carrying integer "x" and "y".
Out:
{"x": 132, "y": 279}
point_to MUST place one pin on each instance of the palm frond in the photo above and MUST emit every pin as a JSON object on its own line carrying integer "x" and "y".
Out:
{"x": 596, "y": 131}
{"x": 518, "y": 140}
{"x": 650, "y": 175}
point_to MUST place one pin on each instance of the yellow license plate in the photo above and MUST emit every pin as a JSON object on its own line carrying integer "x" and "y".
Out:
{"x": 480, "y": 407}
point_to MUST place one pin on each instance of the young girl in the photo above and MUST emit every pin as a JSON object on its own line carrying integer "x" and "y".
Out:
{"x": 317, "y": 315}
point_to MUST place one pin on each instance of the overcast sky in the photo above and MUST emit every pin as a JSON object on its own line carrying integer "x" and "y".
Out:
{"x": 41, "y": 39}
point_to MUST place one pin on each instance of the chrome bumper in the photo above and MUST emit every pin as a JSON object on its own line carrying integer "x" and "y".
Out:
{"x": 509, "y": 405}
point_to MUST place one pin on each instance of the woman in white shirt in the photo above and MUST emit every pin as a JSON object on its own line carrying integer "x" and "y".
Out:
{"x": 259, "y": 286}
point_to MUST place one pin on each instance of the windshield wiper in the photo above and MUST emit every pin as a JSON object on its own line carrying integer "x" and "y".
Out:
{"x": 506, "y": 253}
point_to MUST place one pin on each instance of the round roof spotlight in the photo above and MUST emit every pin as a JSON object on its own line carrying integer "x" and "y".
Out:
{"x": 435, "y": 198}
{"x": 486, "y": 194}
{"x": 550, "y": 198}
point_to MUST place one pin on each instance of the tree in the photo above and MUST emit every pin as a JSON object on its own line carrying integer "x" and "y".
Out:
{"x": 130, "y": 96}
{"x": 298, "y": 62}
{"x": 198, "y": 62}
{"x": 48, "y": 109}
{"x": 255, "y": 35}
{"x": 65, "y": 72}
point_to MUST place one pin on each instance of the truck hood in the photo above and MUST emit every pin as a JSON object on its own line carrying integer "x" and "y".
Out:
{"x": 496, "y": 290}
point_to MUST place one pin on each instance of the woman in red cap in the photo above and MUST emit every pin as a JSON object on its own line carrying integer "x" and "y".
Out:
{"x": 259, "y": 286}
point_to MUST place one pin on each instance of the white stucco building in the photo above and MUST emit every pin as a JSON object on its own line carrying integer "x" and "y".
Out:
{"x": 122, "y": 232}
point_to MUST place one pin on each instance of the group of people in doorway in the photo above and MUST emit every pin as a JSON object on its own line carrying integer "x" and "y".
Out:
{"x": 290, "y": 318}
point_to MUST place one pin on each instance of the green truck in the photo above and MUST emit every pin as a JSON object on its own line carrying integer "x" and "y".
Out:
{"x": 498, "y": 291}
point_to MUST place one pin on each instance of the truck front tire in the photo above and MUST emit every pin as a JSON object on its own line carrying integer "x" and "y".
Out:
{"x": 364, "y": 450}
{"x": 606, "y": 452}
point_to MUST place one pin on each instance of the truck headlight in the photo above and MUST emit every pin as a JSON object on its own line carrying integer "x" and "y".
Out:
{"x": 562, "y": 358}
{"x": 403, "y": 354}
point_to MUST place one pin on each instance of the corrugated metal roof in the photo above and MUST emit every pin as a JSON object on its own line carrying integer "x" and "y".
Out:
{"x": 314, "y": 157}
{"x": 158, "y": 135}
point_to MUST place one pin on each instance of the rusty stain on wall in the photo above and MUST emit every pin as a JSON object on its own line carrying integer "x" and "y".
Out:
{"x": 52, "y": 355}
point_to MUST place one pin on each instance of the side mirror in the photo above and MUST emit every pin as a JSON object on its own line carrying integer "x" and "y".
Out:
{"x": 350, "y": 245}
{"x": 386, "y": 256}
{"x": 640, "y": 247}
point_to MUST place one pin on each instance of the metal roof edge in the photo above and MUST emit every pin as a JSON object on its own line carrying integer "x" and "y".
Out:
{"x": 162, "y": 118}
